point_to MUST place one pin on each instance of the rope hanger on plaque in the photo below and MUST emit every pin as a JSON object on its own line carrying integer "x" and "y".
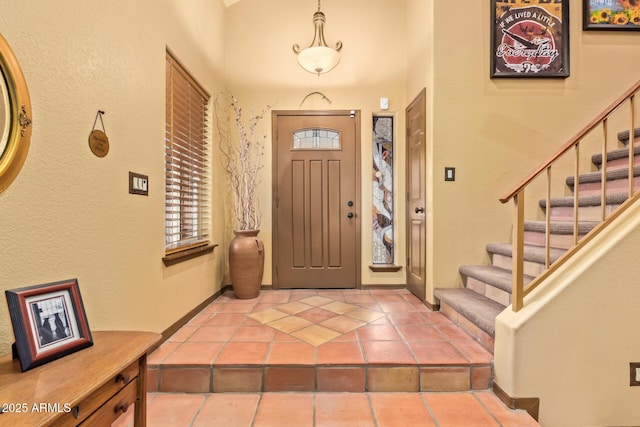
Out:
{"x": 98, "y": 140}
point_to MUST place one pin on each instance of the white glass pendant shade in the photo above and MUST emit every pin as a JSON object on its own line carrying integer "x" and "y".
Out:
{"x": 318, "y": 59}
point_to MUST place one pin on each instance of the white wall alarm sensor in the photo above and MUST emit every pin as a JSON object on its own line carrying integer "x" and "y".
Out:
{"x": 384, "y": 103}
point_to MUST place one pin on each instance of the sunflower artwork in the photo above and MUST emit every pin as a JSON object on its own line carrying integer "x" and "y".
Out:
{"x": 612, "y": 15}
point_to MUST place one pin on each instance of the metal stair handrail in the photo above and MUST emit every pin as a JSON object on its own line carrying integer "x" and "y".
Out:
{"x": 518, "y": 192}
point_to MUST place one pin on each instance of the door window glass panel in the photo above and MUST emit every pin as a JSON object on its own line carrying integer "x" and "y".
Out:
{"x": 316, "y": 139}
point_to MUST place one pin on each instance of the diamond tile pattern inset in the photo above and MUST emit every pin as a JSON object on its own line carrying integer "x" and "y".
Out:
{"x": 318, "y": 329}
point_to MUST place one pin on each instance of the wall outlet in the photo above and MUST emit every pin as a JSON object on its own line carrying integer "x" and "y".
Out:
{"x": 634, "y": 374}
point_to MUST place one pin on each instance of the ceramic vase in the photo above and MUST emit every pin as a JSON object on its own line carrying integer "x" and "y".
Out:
{"x": 246, "y": 263}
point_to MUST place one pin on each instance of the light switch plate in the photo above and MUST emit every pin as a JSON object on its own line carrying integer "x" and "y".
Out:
{"x": 384, "y": 103}
{"x": 634, "y": 374}
{"x": 138, "y": 184}
{"x": 449, "y": 174}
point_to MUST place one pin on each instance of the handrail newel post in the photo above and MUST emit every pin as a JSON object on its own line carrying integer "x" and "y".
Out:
{"x": 603, "y": 169}
{"x": 517, "y": 256}
{"x": 576, "y": 195}
{"x": 631, "y": 144}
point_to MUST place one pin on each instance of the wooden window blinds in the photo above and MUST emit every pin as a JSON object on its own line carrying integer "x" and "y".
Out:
{"x": 187, "y": 203}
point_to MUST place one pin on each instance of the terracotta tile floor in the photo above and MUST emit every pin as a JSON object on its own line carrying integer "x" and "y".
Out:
{"x": 464, "y": 409}
{"x": 323, "y": 358}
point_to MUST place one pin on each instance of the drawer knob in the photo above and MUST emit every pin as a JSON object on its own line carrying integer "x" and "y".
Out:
{"x": 122, "y": 378}
{"x": 120, "y": 408}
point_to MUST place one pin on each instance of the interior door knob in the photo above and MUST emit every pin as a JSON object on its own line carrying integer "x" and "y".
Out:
{"x": 419, "y": 210}
{"x": 350, "y": 215}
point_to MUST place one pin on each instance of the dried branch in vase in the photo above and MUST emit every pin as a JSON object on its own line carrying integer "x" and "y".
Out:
{"x": 242, "y": 156}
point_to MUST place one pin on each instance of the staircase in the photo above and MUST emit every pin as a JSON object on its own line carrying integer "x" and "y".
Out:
{"x": 488, "y": 288}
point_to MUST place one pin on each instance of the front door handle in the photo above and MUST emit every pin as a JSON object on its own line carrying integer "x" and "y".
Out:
{"x": 350, "y": 215}
{"x": 419, "y": 210}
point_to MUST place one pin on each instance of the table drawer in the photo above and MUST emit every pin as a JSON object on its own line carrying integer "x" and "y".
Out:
{"x": 114, "y": 407}
{"x": 87, "y": 406}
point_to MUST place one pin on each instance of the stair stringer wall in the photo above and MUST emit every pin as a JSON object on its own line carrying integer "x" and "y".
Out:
{"x": 571, "y": 345}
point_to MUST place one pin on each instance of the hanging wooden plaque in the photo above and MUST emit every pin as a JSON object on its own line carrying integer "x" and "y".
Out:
{"x": 99, "y": 143}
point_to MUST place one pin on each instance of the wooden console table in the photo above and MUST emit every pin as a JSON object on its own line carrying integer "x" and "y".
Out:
{"x": 92, "y": 387}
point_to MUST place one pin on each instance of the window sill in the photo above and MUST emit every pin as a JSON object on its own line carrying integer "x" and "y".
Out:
{"x": 178, "y": 257}
{"x": 385, "y": 268}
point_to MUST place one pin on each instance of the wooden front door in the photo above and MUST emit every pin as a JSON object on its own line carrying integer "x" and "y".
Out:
{"x": 316, "y": 199}
{"x": 416, "y": 196}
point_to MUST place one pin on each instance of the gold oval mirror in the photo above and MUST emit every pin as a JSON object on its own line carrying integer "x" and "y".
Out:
{"x": 15, "y": 116}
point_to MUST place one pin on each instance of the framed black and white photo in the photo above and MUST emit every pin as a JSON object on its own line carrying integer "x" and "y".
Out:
{"x": 48, "y": 321}
{"x": 529, "y": 38}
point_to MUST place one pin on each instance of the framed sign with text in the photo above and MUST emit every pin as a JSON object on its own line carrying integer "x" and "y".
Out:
{"x": 529, "y": 38}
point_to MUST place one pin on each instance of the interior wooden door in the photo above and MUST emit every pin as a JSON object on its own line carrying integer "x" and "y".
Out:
{"x": 416, "y": 196}
{"x": 316, "y": 199}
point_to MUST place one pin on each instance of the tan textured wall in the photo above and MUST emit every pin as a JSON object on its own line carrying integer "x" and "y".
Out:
{"x": 69, "y": 214}
{"x": 572, "y": 343}
{"x": 262, "y": 69}
{"x": 420, "y": 54}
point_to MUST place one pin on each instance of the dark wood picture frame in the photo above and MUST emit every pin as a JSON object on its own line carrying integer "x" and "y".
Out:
{"x": 611, "y": 15}
{"x": 49, "y": 322}
{"x": 529, "y": 38}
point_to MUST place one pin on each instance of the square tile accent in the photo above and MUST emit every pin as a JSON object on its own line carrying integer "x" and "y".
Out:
{"x": 316, "y": 300}
{"x": 339, "y": 307}
{"x": 343, "y": 324}
{"x": 444, "y": 379}
{"x": 237, "y": 380}
{"x": 365, "y": 315}
{"x": 290, "y": 324}
{"x": 268, "y": 315}
{"x": 294, "y": 307}
{"x": 316, "y": 334}
{"x": 317, "y": 315}
{"x": 393, "y": 379}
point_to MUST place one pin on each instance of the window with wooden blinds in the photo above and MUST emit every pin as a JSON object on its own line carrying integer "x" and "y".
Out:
{"x": 187, "y": 203}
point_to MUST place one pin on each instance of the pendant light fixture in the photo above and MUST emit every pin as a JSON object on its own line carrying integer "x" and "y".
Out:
{"x": 318, "y": 57}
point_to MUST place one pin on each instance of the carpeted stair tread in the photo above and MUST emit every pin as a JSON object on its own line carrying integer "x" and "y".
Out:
{"x": 584, "y": 201}
{"x": 480, "y": 310}
{"x": 612, "y": 175}
{"x": 560, "y": 227}
{"x": 620, "y": 153}
{"x": 491, "y": 275}
{"x": 624, "y": 135}
{"x": 531, "y": 253}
